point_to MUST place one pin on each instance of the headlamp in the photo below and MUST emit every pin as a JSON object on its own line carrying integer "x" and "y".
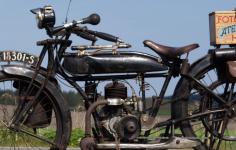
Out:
{"x": 45, "y": 16}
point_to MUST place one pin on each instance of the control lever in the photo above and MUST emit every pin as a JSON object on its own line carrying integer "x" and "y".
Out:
{"x": 94, "y": 47}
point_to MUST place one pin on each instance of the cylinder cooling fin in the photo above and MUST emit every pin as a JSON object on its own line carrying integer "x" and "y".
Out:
{"x": 115, "y": 90}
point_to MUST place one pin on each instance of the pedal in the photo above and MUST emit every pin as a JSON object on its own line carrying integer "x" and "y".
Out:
{"x": 148, "y": 122}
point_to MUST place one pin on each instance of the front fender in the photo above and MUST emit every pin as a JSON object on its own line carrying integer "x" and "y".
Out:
{"x": 23, "y": 71}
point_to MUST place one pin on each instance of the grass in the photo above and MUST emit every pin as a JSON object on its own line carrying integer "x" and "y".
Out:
{"x": 76, "y": 136}
{"x": 225, "y": 145}
{"x": 9, "y": 138}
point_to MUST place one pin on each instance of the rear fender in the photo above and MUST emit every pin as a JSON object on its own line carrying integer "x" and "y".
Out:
{"x": 182, "y": 88}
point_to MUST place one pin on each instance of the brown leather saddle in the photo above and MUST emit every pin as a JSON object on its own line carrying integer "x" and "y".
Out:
{"x": 169, "y": 52}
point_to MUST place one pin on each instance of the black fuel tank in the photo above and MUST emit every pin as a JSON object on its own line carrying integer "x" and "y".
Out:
{"x": 107, "y": 62}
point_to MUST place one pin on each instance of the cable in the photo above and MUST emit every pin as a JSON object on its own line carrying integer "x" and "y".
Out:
{"x": 151, "y": 87}
{"x": 67, "y": 12}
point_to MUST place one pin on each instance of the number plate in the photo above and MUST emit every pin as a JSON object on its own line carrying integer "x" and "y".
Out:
{"x": 18, "y": 57}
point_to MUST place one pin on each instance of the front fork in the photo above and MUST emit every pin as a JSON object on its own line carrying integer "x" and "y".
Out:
{"x": 27, "y": 102}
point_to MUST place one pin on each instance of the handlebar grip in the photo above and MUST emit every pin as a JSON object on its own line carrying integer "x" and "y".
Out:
{"x": 104, "y": 36}
{"x": 86, "y": 36}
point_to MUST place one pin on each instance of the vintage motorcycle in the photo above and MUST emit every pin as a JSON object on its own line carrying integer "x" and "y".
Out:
{"x": 34, "y": 113}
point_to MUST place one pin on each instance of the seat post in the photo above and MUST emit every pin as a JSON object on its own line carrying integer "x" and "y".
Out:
{"x": 158, "y": 101}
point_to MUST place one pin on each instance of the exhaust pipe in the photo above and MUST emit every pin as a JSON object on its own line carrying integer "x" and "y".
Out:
{"x": 173, "y": 143}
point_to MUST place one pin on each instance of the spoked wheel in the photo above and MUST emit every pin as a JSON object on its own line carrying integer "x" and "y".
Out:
{"x": 221, "y": 124}
{"x": 46, "y": 125}
{"x": 216, "y": 129}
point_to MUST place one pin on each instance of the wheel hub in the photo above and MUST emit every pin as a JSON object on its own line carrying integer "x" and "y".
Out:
{"x": 232, "y": 112}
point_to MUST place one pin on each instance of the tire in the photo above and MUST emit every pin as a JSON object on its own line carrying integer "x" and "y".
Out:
{"x": 48, "y": 124}
{"x": 213, "y": 131}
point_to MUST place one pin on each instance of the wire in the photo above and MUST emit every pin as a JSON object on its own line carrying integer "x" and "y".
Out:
{"x": 151, "y": 87}
{"x": 131, "y": 87}
{"x": 67, "y": 12}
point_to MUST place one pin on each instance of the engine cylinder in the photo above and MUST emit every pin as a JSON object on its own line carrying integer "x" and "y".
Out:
{"x": 115, "y": 90}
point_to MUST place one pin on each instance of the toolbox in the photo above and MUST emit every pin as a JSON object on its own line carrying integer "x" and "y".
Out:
{"x": 222, "y": 28}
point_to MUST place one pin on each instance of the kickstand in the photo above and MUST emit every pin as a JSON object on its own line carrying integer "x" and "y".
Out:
{"x": 172, "y": 129}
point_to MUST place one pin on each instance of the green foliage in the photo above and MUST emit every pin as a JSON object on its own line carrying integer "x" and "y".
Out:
{"x": 7, "y": 97}
{"x": 74, "y": 99}
{"x": 48, "y": 133}
{"x": 76, "y": 136}
{"x": 7, "y": 137}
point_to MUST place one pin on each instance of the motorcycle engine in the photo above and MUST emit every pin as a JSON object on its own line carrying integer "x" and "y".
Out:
{"x": 117, "y": 116}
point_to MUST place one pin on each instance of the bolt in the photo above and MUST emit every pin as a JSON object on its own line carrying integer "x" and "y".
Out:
{"x": 177, "y": 141}
{"x": 145, "y": 118}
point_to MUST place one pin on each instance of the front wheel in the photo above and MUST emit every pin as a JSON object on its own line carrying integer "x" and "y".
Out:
{"x": 47, "y": 125}
{"x": 216, "y": 130}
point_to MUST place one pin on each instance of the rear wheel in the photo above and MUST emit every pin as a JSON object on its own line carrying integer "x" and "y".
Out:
{"x": 46, "y": 125}
{"x": 215, "y": 131}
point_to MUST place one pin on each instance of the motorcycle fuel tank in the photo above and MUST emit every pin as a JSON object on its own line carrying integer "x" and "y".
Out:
{"x": 107, "y": 62}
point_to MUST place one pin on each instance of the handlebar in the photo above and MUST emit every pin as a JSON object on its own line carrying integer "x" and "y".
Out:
{"x": 102, "y": 35}
{"x": 54, "y": 41}
{"x": 93, "y": 19}
{"x": 73, "y": 27}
